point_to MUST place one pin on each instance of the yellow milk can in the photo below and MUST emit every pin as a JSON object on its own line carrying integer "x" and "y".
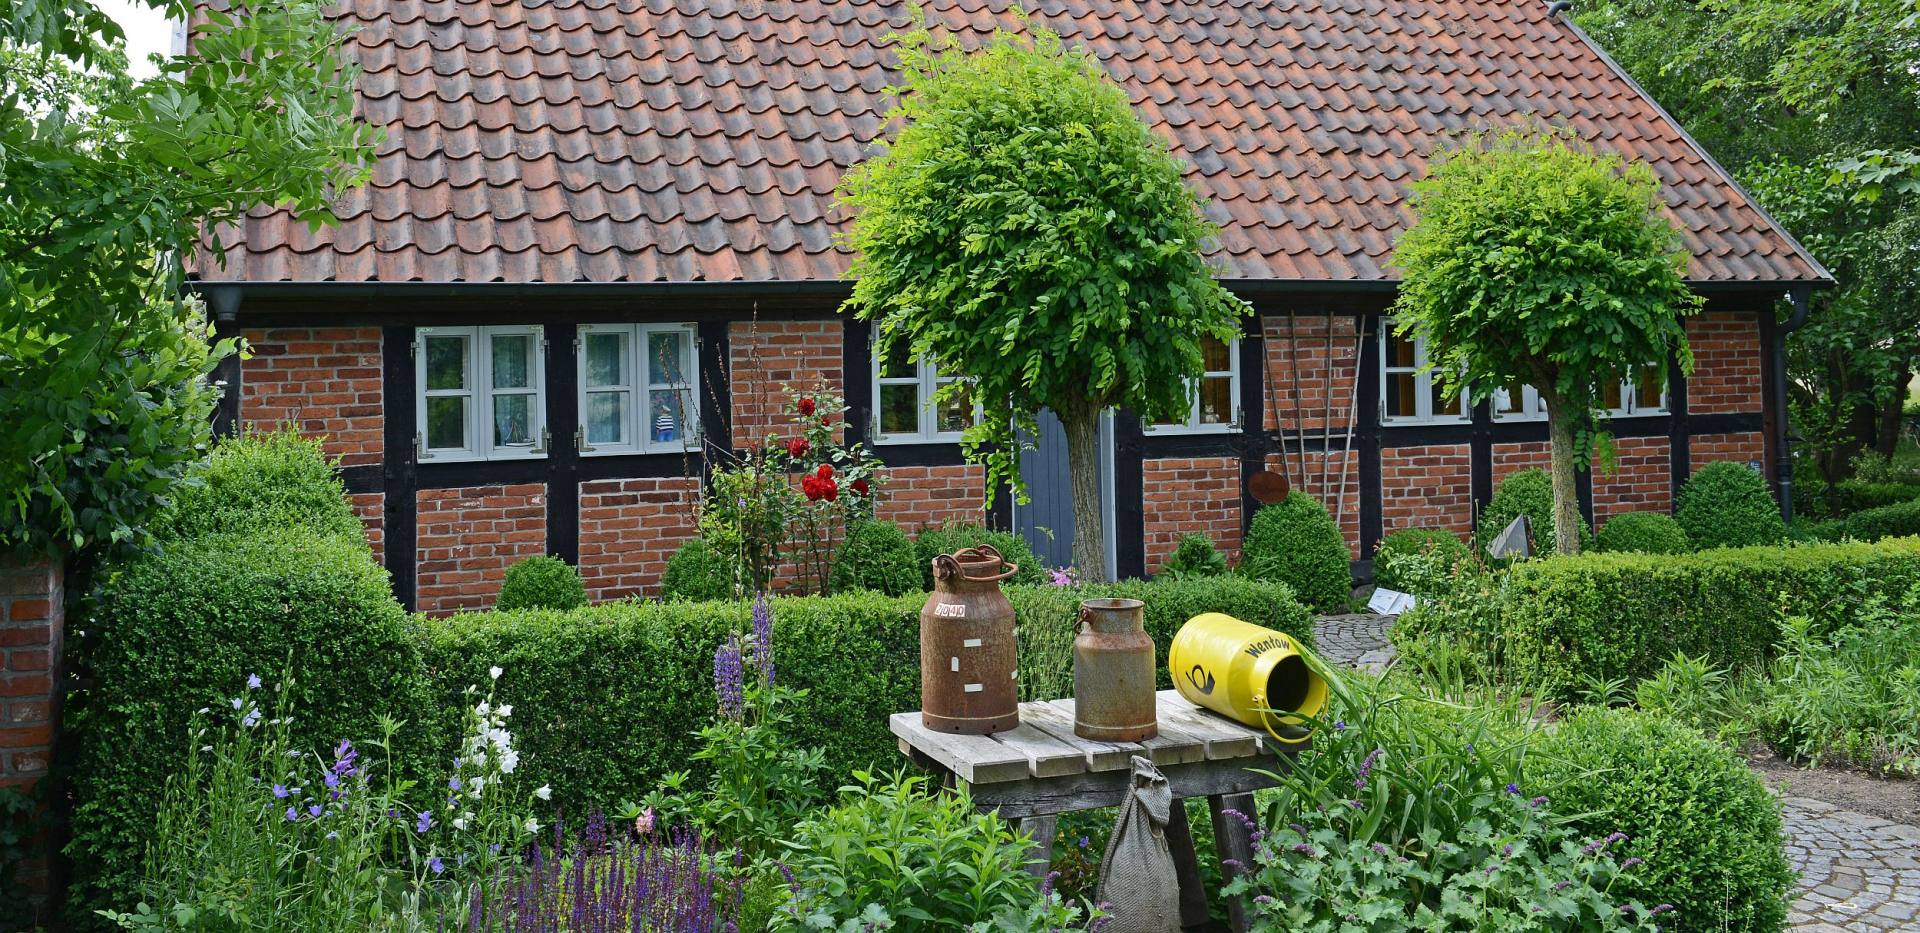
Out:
{"x": 1245, "y": 672}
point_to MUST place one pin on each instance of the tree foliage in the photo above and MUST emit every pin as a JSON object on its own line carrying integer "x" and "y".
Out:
{"x": 1026, "y": 229}
{"x": 1535, "y": 261}
{"x": 106, "y": 184}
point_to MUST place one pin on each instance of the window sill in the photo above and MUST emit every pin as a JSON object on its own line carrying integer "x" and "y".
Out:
{"x": 1164, "y": 430}
{"x": 897, "y": 440}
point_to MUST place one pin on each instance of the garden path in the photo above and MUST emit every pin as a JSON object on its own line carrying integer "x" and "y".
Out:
{"x": 1857, "y": 872}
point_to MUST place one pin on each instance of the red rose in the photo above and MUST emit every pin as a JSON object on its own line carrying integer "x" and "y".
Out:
{"x": 810, "y": 485}
{"x": 859, "y": 487}
{"x": 825, "y": 471}
{"x": 806, "y": 405}
{"x": 825, "y": 421}
{"x": 829, "y": 490}
{"x": 797, "y": 447}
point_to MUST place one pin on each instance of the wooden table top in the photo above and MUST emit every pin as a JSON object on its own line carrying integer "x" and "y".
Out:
{"x": 1044, "y": 746}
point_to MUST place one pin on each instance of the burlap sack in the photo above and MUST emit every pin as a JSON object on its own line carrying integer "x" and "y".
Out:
{"x": 1137, "y": 881}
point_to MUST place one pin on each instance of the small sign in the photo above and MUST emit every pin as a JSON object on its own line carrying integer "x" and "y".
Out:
{"x": 1390, "y": 602}
{"x": 1513, "y": 541}
{"x": 951, "y": 610}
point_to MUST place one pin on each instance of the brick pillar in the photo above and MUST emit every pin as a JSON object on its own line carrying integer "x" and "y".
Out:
{"x": 32, "y": 630}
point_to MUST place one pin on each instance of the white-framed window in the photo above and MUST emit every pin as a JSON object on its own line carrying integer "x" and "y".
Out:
{"x": 481, "y": 393}
{"x": 638, "y": 389}
{"x": 904, "y": 410}
{"x": 1643, "y": 392}
{"x": 1518, "y": 402}
{"x": 1408, "y": 392}
{"x": 1216, "y": 393}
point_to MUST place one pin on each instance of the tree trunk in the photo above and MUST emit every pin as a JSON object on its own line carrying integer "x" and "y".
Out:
{"x": 1081, "y": 421}
{"x": 1566, "y": 496}
{"x": 1886, "y": 437}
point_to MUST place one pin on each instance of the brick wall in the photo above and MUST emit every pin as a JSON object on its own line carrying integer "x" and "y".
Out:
{"x": 1509, "y": 459}
{"x": 1641, "y": 480}
{"x": 1747, "y": 447}
{"x": 326, "y": 380}
{"x": 371, "y": 507}
{"x": 923, "y": 497}
{"x": 1426, "y": 487}
{"x": 1303, "y": 348}
{"x": 468, "y": 537}
{"x": 769, "y": 354}
{"x": 628, "y": 529}
{"x": 1726, "y": 363}
{"x": 32, "y": 636}
{"x": 1327, "y": 490}
{"x": 1184, "y": 496}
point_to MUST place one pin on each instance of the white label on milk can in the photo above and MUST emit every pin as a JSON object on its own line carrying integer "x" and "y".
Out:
{"x": 956, "y": 664}
{"x": 951, "y": 610}
{"x": 973, "y": 688}
{"x": 970, "y": 643}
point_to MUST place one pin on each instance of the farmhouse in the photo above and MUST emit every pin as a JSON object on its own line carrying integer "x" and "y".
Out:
{"x": 600, "y": 236}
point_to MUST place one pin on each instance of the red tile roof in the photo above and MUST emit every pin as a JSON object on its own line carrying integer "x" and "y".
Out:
{"x": 701, "y": 140}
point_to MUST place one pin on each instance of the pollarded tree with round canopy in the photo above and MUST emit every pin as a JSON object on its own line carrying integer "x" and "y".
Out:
{"x": 1024, "y": 229}
{"x": 1535, "y": 260}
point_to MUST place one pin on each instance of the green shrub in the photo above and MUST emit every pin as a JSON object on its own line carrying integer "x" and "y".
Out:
{"x": 946, "y": 539}
{"x": 877, "y": 556}
{"x": 1556, "y": 624}
{"x": 1704, "y": 824}
{"x": 1529, "y": 493}
{"x": 542, "y": 582}
{"x": 1643, "y": 533}
{"x": 258, "y": 481}
{"x": 1727, "y": 504}
{"x": 699, "y": 573}
{"x": 1296, "y": 542}
{"x": 927, "y": 858}
{"x": 1852, "y": 695}
{"x": 1855, "y": 495}
{"x": 1887, "y": 521}
{"x": 1195, "y": 556}
{"x": 580, "y": 681}
{"x": 180, "y": 630}
{"x": 1404, "y": 559}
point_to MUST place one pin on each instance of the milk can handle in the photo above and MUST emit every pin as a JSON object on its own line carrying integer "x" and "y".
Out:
{"x": 944, "y": 566}
{"x": 987, "y": 551}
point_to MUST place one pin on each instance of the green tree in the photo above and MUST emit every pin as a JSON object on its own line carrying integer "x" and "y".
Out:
{"x": 106, "y": 184}
{"x": 1532, "y": 260}
{"x": 1025, "y": 228}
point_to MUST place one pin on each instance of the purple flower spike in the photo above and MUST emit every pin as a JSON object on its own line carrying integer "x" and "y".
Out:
{"x": 727, "y": 676}
{"x": 763, "y": 637}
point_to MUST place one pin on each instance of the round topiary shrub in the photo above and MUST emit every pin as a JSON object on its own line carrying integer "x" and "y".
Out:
{"x": 1414, "y": 560}
{"x": 698, "y": 573}
{"x": 1705, "y": 826}
{"x": 1529, "y": 493}
{"x": 1645, "y": 532}
{"x": 946, "y": 539}
{"x": 1296, "y": 542}
{"x": 183, "y": 629}
{"x": 260, "y": 480}
{"x": 1194, "y": 556}
{"x": 876, "y": 556}
{"x": 1727, "y": 504}
{"x": 543, "y": 582}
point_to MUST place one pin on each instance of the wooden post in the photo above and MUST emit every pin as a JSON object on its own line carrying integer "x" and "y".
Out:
{"x": 1235, "y": 845}
{"x": 1040, "y": 853}
{"x": 1186, "y": 868}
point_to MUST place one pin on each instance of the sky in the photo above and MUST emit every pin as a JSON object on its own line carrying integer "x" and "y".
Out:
{"x": 148, "y": 31}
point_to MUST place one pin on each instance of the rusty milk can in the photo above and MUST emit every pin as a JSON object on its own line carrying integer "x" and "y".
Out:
{"x": 1113, "y": 670}
{"x": 968, "y": 678}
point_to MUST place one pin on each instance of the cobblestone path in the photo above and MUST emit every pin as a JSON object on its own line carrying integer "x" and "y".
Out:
{"x": 1857, "y": 872}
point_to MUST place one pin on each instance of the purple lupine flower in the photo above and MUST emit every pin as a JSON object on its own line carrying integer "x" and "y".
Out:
{"x": 763, "y": 637}
{"x": 424, "y": 822}
{"x": 727, "y": 678}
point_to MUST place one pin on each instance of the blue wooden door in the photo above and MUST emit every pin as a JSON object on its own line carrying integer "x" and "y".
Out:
{"x": 1046, "y": 521}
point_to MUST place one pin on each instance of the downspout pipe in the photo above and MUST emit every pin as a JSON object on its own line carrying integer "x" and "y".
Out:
{"x": 1783, "y": 446}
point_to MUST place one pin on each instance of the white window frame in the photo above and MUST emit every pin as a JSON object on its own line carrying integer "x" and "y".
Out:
{"x": 1532, "y": 407}
{"x": 928, "y": 379}
{"x": 640, "y": 388}
{"x": 1629, "y": 403}
{"x": 1422, "y": 386}
{"x": 480, "y": 395}
{"x": 1192, "y": 424}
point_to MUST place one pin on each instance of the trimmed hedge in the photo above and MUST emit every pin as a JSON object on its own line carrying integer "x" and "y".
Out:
{"x": 607, "y": 698}
{"x": 946, "y": 539}
{"x": 1194, "y": 556}
{"x": 1643, "y": 533}
{"x": 181, "y": 630}
{"x": 261, "y": 480}
{"x": 542, "y": 582}
{"x": 1295, "y": 542}
{"x": 1561, "y": 621}
{"x": 877, "y": 556}
{"x": 1888, "y": 521}
{"x": 1727, "y": 504}
{"x": 1528, "y": 492}
{"x": 697, "y": 572}
{"x": 1851, "y": 495}
{"x": 1705, "y": 826}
